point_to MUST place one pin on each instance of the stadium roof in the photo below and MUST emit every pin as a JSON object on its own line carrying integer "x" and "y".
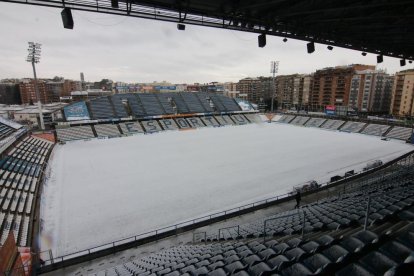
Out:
{"x": 376, "y": 26}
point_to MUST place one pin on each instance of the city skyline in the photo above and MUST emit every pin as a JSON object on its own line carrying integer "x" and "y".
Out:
{"x": 137, "y": 50}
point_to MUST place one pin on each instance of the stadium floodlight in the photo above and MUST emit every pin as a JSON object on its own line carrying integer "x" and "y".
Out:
{"x": 310, "y": 47}
{"x": 34, "y": 57}
{"x": 364, "y": 54}
{"x": 274, "y": 68}
{"x": 410, "y": 61}
{"x": 261, "y": 40}
{"x": 181, "y": 27}
{"x": 380, "y": 58}
{"x": 402, "y": 62}
{"x": 285, "y": 39}
{"x": 330, "y": 48}
{"x": 115, "y": 4}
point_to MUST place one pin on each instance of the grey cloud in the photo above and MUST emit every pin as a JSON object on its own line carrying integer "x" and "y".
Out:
{"x": 138, "y": 50}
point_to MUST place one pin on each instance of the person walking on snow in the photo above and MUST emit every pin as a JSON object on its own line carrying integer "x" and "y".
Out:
{"x": 298, "y": 198}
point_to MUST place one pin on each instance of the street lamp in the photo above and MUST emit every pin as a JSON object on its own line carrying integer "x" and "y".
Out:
{"x": 34, "y": 57}
{"x": 274, "y": 67}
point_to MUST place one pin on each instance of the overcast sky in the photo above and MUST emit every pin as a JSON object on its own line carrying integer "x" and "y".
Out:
{"x": 138, "y": 50}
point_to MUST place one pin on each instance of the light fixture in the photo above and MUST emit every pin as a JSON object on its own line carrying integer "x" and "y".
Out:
{"x": 380, "y": 59}
{"x": 285, "y": 39}
{"x": 410, "y": 61}
{"x": 181, "y": 27}
{"x": 402, "y": 62}
{"x": 330, "y": 48}
{"x": 261, "y": 39}
{"x": 67, "y": 18}
{"x": 364, "y": 54}
{"x": 115, "y": 4}
{"x": 311, "y": 47}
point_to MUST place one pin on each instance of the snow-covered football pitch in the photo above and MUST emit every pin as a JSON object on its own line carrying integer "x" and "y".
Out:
{"x": 103, "y": 190}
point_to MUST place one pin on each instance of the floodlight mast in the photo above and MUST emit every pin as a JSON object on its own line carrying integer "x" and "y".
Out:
{"x": 34, "y": 57}
{"x": 274, "y": 68}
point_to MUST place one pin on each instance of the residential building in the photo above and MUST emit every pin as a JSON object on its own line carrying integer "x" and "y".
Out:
{"x": 256, "y": 90}
{"x": 402, "y": 102}
{"x": 331, "y": 86}
{"x": 371, "y": 91}
{"x": 292, "y": 91}
{"x": 28, "y": 92}
{"x": 10, "y": 93}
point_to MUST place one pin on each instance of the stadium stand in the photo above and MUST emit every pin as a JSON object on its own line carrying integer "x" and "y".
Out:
{"x": 107, "y": 130}
{"x": 74, "y": 133}
{"x": 354, "y": 127}
{"x": 375, "y": 129}
{"x": 217, "y": 102}
{"x": 131, "y": 128}
{"x": 182, "y": 123}
{"x": 210, "y": 121}
{"x": 322, "y": 238}
{"x": 165, "y": 101}
{"x": 299, "y": 120}
{"x": 193, "y": 103}
{"x": 239, "y": 119}
{"x": 205, "y": 101}
{"x": 195, "y": 122}
{"x": 5, "y": 130}
{"x": 402, "y": 133}
{"x": 151, "y": 126}
{"x": 253, "y": 118}
{"x": 151, "y": 104}
{"x": 224, "y": 120}
{"x": 332, "y": 124}
{"x": 121, "y": 100}
{"x": 315, "y": 122}
{"x": 229, "y": 103}
{"x": 181, "y": 106}
{"x": 101, "y": 108}
{"x": 286, "y": 119}
{"x": 168, "y": 124}
{"x": 20, "y": 174}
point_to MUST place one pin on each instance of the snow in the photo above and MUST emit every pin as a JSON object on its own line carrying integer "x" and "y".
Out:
{"x": 103, "y": 190}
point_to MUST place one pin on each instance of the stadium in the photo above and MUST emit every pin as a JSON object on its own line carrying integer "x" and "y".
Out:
{"x": 215, "y": 181}
{"x": 198, "y": 183}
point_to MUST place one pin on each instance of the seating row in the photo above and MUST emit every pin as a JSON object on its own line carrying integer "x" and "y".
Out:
{"x": 20, "y": 171}
{"x": 150, "y": 126}
{"x": 395, "y": 132}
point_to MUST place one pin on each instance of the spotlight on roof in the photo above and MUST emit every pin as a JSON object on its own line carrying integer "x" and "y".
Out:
{"x": 285, "y": 39}
{"x": 380, "y": 58}
{"x": 181, "y": 27}
{"x": 402, "y": 62}
{"x": 115, "y": 4}
{"x": 330, "y": 48}
{"x": 261, "y": 39}
{"x": 67, "y": 18}
{"x": 364, "y": 54}
{"x": 311, "y": 47}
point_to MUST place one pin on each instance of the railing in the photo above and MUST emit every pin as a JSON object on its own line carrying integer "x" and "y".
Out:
{"x": 397, "y": 169}
{"x": 196, "y": 221}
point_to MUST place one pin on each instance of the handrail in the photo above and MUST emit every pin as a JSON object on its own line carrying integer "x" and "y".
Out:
{"x": 221, "y": 230}
{"x": 276, "y": 218}
{"x": 189, "y": 222}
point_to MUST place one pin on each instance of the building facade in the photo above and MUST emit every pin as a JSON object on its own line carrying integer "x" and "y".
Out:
{"x": 331, "y": 86}
{"x": 256, "y": 90}
{"x": 402, "y": 101}
{"x": 10, "y": 93}
{"x": 293, "y": 91}
{"x": 28, "y": 92}
{"x": 371, "y": 91}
